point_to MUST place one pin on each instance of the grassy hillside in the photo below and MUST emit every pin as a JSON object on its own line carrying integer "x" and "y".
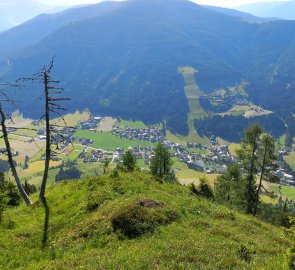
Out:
{"x": 193, "y": 93}
{"x": 194, "y": 233}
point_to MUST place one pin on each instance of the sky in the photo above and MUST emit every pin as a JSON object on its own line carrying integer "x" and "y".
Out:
{"x": 224, "y": 3}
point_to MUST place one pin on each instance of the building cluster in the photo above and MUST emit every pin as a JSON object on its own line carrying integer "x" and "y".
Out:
{"x": 151, "y": 133}
{"x": 216, "y": 160}
{"x": 95, "y": 155}
{"x": 91, "y": 124}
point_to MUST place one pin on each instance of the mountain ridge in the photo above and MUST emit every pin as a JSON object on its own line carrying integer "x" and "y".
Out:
{"x": 130, "y": 68}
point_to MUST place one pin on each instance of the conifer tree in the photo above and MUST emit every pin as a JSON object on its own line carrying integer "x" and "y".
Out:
{"x": 161, "y": 161}
{"x": 128, "y": 161}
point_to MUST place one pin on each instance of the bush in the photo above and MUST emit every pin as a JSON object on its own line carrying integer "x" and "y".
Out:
{"x": 245, "y": 254}
{"x": 8, "y": 192}
{"x": 3, "y": 204}
{"x": 204, "y": 189}
{"x": 170, "y": 177}
{"x": 71, "y": 173}
{"x": 136, "y": 220}
{"x": 30, "y": 188}
{"x": 12, "y": 194}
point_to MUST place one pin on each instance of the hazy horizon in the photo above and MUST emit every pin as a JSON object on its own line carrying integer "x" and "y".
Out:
{"x": 226, "y": 3}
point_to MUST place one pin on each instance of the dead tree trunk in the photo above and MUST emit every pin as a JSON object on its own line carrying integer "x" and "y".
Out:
{"x": 48, "y": 136}
{"x": 52, "y": 106}
{"x": 10, "y": 159}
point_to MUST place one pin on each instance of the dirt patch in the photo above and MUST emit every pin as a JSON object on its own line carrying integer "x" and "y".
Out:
{"x": 150, "y": 203}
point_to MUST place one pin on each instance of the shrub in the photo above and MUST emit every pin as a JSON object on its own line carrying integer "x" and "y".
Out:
{"x": 135, "y": 220}
{"x": 30, "y": 188}
{"x": 115, "y": 174}
{"x": 3, "y": 204}
{"x": 204, "y": 189}
{"x": 245, "y": 254}
{"x": 12, "y": 194}
{"x": 291, "y": 258}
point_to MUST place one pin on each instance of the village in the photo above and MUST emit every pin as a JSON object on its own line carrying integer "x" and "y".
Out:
{"x": 211, "y": 159}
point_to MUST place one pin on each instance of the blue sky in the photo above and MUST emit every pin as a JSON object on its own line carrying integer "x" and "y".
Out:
{"x": 224, "y": 3}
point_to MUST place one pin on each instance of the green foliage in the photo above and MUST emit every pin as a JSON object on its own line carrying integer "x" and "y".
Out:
{"x": 3, "y": 203}
{"x": 204, "y": 189}
{"x": 238, "y": 188}
{"x": 9, "y": 192}
{"x": 230, "y": 188}
{"x": 249, "y": 159}
{"x": 26, "y": 164}
{"x": 291, "y": 251}
{"x": 68, "y": 174}
{"x": 231, "y": 128}
{"x": 29, "y": 188}
{"x": 135, "y": 220}
{"x": 245, "y": 254}
{"x": 160, "y": 162}
{"x": 106, "y": 165}
{"x": 206, "y": 236}
{"x": 129, "y": 161}
{"x": 12, "y": 194}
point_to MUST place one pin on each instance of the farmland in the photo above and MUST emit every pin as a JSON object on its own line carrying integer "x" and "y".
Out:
{"x": 193, "y": 93}
{"x": 290, "y": 159}
{"x": 108, "y": 141}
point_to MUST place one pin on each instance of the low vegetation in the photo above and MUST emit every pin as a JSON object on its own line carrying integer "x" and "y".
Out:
{"x": 174, "y": 229}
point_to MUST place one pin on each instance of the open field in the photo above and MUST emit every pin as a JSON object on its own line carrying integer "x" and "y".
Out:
{"x": 290, "y": 159}
{"x": 233, "y": 148}
{"x": 108, "y": 141}
{"x": 77, "y": 149}
{"x": 107, "y": 124}
{"x": 281, "y": 141}
{"x": 72, "y": 119}
{"x": 187, "y": 176}
{"x": 19, "y": 121}
{"x": 175, "y": 138}
{"x": 285, "y": 191}
{"x": 193, "y": 94}
{"x": 247, "y": 111}
{"x": 132, "y": 124}
{"x": 24, "y": 147}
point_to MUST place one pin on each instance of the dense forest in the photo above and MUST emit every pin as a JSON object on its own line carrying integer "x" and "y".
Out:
{"x": 231, "y": 128}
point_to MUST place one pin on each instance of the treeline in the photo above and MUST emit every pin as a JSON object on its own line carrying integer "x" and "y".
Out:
{"x": 231, "y": 128}
{"x": 242, "y": 186}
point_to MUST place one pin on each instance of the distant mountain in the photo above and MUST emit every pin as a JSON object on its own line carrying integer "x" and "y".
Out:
{"x": 243, "y": 15}
{"x": 122, "y": 58}
{"x": 283, "y": 9}
{"x": 15, "y": 12}
{"x": 33, "y": 30}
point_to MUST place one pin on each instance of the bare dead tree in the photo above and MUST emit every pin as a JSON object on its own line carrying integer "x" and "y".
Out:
{"x": 52, "y": 106}
{"x": 8, "y": 151}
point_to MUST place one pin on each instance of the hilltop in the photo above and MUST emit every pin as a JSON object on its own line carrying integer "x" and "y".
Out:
{"x": 182, "y": 231}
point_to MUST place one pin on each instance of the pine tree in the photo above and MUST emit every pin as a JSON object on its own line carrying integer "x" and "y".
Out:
{"x": 230, "y": 188}
{"x": 256, "y": 157}
{"x": 160, "y": 162}
{"x": 248, "y": 157}
{"x": 129, "y": 161}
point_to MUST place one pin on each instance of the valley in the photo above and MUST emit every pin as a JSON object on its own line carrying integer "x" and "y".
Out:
{"x": 146, "y": 134}
{"x": 96, "y": 139}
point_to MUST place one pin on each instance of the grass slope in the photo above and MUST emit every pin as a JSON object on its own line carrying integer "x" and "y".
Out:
{"x": 290, "y": 159}
{"x": 206, "y": 235}
{"x": 193, "y": 94}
